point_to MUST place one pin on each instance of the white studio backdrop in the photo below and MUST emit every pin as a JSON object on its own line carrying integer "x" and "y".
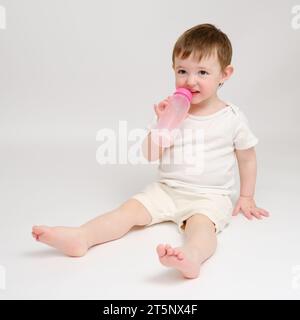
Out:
{"x": 69, "y": 68}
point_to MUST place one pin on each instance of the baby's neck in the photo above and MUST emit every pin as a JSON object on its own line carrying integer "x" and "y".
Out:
{"x": 207, "y": 107}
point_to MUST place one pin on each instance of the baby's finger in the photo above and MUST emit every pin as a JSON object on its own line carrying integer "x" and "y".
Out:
{"x": 247, "y": 214}
{"x": 264, "y": 212}
{"x": 236, "y": 211}
{"x": 165, "y": 101}
{"x": 155, "y": 109}
{"x": 162, "y": 105}
{"x": 256, "y": 214}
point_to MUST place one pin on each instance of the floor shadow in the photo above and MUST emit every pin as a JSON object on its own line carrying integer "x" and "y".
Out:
{"x": 167, "y": 277}
{"x": 43, "y": 253}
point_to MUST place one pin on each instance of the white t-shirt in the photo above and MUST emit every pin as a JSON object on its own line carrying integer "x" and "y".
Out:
{"x": 202, "y": 158}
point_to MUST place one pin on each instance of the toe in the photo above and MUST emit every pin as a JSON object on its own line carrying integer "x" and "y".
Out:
{"x": 34, "y": 235}
{"x": 170, "y": 251}
{"x": 176, "y": 251}
{"x": 38, "y": 230}
{"x": 180, "y": 256}
{"x": 160, "y": 249}
{"x": 42, "y": 233}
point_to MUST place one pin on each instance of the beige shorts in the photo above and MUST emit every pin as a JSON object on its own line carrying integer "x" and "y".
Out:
{"x": 165, "y": 203}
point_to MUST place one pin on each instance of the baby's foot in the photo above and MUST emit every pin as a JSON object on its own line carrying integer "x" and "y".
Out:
{"x": 183, "y": 259}
{"x": 70, "y": 241}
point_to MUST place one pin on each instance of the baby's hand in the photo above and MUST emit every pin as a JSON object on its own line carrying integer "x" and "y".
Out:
{"x": 248, "y": 207}
{"x": 160, "y": 108}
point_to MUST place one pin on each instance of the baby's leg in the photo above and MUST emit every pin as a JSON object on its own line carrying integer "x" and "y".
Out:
{"x": 106, "y": 227}
{"x": 200, "y": 244}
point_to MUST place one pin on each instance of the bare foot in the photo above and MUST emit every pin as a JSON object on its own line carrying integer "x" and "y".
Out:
{"x": 70, "y": 241}
{"x": 183, "y": 259}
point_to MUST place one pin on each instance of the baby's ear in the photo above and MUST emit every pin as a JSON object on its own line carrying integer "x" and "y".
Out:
{"x": 228, "y": 71}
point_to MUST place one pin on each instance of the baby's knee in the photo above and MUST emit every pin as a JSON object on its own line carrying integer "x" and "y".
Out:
{"x": 135, "y": 212}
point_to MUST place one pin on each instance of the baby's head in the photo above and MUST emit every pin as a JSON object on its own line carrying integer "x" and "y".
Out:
{"x": 201, "y": 61}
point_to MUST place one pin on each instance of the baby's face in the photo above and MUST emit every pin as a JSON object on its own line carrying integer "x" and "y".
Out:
{"x": 202, "y": 77}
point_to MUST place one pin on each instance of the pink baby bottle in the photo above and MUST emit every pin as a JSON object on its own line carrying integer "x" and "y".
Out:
{"x": 174, "y": 113}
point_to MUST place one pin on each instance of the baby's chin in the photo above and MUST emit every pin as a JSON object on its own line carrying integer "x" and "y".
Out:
{"x": 197, "y": 98}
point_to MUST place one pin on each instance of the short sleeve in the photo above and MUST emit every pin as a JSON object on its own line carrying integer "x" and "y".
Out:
{"x": 243, "y": 137}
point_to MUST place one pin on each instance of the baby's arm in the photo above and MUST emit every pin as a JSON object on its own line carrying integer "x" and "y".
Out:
{"x": 151, "y": 150}
{"x": 248, "y": 168}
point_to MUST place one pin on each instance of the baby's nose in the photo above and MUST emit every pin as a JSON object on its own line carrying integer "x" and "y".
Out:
{"x": 191, "y": 81}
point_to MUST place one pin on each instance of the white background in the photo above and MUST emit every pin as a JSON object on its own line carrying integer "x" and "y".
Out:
{"x": 70, "y": 68}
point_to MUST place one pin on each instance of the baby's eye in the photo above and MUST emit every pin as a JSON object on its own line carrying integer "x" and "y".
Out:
{"x": 181, "y": 71}
{"x": 203, "y": 73}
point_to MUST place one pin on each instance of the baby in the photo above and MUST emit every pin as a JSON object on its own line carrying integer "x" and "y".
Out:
{"x": 198, "y": 201}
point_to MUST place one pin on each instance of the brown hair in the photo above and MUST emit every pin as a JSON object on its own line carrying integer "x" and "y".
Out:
{"x": 203, "y": 40}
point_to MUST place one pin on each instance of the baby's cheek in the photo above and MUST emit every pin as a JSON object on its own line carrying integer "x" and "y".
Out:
{"x": 179, "y": 82}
